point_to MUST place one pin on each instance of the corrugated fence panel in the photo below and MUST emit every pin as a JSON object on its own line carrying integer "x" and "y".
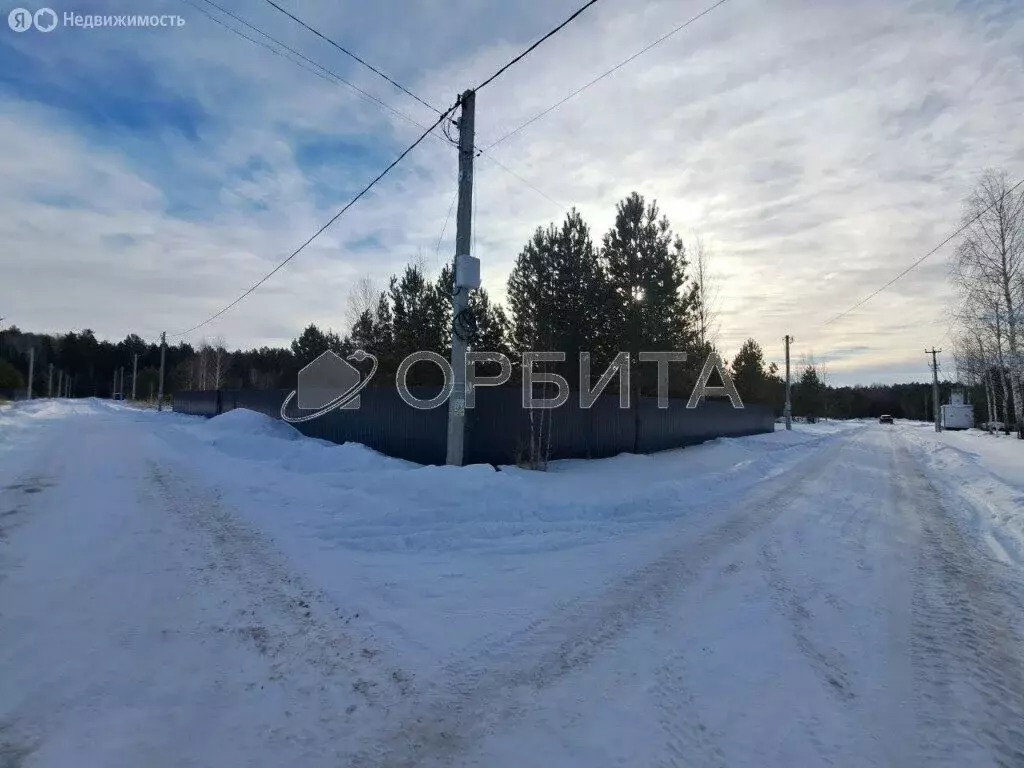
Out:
{"x": 387, "y": 424}
{"x": 678, "y": 426}
{"x": 498, "y": 428}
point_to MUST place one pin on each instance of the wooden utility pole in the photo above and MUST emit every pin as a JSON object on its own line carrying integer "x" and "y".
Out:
{"x": 135, "y": 373}
{"x": 935, "y": 386}
{"x": 49, "y": 381}
{"x": 788, "y": 412}
{"x": 31, "y": 369}
{"x": 113, "y": 387}
{"x": 60, "y": 383}
{"x": 460, "y": 295}
{"x": 160, "y": 393}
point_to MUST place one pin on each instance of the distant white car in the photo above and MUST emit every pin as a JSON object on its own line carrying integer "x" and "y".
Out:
{"x": 885, "y": 419}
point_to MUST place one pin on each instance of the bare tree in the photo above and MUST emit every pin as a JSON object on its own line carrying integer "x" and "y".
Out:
{"x": 221, "y": 361}
{"x": 362, "y": 297}
{"x": 203, "y": 359}
{"x": 990, "y": 275}
{"x": 707, "y": 292}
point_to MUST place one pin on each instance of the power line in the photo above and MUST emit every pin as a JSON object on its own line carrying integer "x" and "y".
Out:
{"x": 322, "y": 229}
{"x": 600, "y": 77}
{"x": 324, "y": 73}
{"x": 442, "y": 116}
{"x": 930, "y": 253}
{"x": 529, "y": 50}
{"x": 349, "y": 53}
{"x": 509, "y": 171}
{"x": 451, "y": 207}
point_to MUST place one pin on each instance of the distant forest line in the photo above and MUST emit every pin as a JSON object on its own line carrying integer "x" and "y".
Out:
{"x": 638, "y": 289}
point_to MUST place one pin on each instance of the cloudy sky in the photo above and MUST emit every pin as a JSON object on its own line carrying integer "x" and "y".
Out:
{"x": 149, "y": 176}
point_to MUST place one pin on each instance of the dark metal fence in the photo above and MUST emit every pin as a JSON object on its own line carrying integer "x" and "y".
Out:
{"x": 498, "y": 428}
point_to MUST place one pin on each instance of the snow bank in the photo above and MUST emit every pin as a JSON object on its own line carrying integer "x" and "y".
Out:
{"x": 246, "y": 434}
{"x": 985, "y": 470}
{"x": 351, "y": 497}
{"x": 245, "y": 423}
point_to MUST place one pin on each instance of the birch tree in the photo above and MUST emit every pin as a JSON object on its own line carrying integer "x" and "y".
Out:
{"x": 990, "y": 271}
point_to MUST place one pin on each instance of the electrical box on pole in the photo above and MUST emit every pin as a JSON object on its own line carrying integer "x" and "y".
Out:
{"x": 467, "y": 272}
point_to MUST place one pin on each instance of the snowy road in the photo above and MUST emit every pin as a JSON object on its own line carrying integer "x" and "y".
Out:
{"x": 176, "y": 592}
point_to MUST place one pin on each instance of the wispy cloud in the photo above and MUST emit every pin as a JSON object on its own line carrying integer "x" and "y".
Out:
{"x": 152, "y": 175}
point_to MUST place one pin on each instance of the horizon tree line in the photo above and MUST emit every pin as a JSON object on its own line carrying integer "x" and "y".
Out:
{"x": 637, "y": 288}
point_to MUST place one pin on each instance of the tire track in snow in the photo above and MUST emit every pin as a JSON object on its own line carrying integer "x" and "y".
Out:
{"x": 296, "y": 627}
{"x": 24, "y": 495}
{"x": 18, "y": 501}
{"x": 831, "y": 667}
{"x": 480, "y": 694}
{"x": 688, "y": 740}
{"x": 849, "y": 518}
{"x": 969, "y": 678}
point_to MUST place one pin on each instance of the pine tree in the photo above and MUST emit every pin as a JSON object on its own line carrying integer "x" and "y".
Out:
{"x": 558, "y": 296}
{"x": 748, "y": 373}
{"x": 756, "y": 382}
{"x": 809, "y": 394}
{"x": 651, "y": 305}
{"x": 373, "y": 331}
{"x": 414, "y": 311}
{"x": 10, "y": 377}
{"x": 531, "y": 293}
{"x": 310, "y": 344}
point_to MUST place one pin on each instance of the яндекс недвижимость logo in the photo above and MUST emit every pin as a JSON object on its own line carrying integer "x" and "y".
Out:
{"x": 47, "y": 20}
{"x": 22, "y": 20}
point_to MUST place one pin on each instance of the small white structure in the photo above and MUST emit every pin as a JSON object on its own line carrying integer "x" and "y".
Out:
{"x": 956, "y": 414}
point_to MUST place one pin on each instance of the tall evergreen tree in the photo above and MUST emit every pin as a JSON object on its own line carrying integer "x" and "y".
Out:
{"x": 651, "y": 304}
{"x": 530, "y": 291}
{"x": 312, "y": 343}
{"x": 756, "y": 382}
{"x": 374, "y": 331}
{"x": 809, "y": 394}
{"x": 558, "y": 295}
{"x": 10, "y": 377}
{"x": 414, "y": 311}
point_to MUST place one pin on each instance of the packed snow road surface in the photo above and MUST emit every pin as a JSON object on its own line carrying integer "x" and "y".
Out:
{"x": 177, "y": 592}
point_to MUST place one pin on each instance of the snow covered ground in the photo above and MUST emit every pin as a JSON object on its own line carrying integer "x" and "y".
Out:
{"x": 176, "y": 592}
